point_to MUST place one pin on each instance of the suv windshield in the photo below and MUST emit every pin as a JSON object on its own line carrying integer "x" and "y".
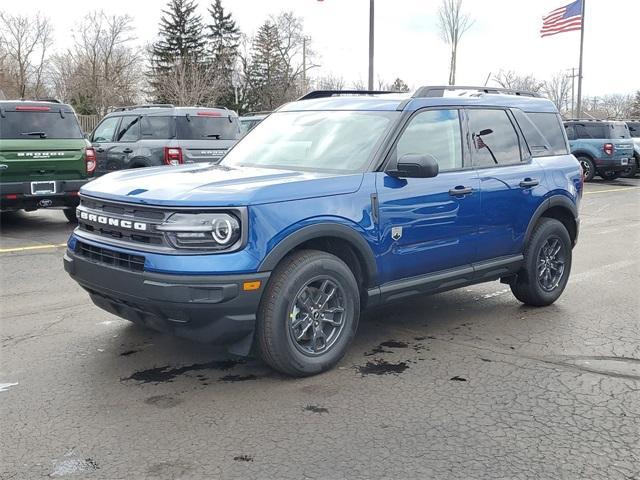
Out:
{"x": 35, "y": 125}
{"x": 196, "y": 127}
{"x": 334, "y": 141}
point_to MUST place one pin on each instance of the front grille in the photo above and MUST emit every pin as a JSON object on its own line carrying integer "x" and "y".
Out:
{"x": 134, "y": 263}
{"x": 133, "y": 213}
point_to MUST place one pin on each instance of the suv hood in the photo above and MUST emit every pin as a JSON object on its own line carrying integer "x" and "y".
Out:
{"x": 217, "y": 185}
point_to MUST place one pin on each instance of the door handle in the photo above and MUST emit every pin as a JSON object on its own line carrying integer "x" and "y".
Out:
{"x": 460, "y": 191}
{"x": 529, "y": 182}
{"x": 4, "y": 167}
{"x": 127, "y": 150}
{"x": 99, "y": 150}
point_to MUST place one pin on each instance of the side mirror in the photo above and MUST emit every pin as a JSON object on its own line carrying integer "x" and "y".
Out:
{"x": 413, "y": 165}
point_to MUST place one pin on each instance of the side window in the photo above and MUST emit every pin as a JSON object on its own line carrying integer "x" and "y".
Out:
{"x": 129, "y": 129}
{"x": 550, "y": 125}
{"x": 494, "y": 140}
{"x": 434, "y": 132}
{"x": 571, "y": 132}
{"x": 590, "y": 131}
{"x": 538, "y": 144}
{"x": 157, "y": 128}
{"x": 105, "y": 131}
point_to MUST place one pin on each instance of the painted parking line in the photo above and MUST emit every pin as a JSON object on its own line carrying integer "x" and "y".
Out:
{"x": 33, "y": 247}
{"x": 619, "y": 189}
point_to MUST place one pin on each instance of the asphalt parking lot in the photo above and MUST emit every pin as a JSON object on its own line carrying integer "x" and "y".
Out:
{"x": 466, "y": 384}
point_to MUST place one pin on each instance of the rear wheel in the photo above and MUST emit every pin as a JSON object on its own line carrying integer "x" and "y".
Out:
{"x": 547, "y": 264}
{"x": 632, "y": 169}
{"x": 70, "y": 213}
{"x": 308, "y": 314}
{"x": 588, "y": 168}
{"x": 609, "y": 175}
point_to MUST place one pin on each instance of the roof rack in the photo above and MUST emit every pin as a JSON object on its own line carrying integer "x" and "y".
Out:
{"x": 251, "y": 114}
{"x": 331, "y": 93}
{"x": 438, "y": 91}
{"x": 586, "y": 120}
{"x": 50, "y": 100}
{"x": 148, "y": 105}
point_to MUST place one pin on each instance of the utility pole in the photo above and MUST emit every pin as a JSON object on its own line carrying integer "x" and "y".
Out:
{"x": 573, "y": 77}
{"x": 304, "y": 65}
{"x": 579, "y": 109}
{"x": 371, "y": 25}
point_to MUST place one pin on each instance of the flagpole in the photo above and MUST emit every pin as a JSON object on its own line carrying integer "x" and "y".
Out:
{"x": 579, "y": 103}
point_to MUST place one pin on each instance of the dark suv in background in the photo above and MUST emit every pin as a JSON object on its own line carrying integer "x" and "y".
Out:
{"x": 602, "y": 147}
{"x": 154, "y": 135}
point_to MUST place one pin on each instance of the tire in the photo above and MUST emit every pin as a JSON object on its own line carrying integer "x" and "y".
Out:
{"x": 528, "y": 287}
{"x": 609, "y": 175}
{"x": 588, "y": 168}
{"x": 632, "y": 169}
{"x": 70, "y": 213}
{"x": 289, "y": 308}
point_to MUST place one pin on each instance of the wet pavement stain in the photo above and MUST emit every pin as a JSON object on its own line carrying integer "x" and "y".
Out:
{"x": 237, "y": 378}
{"x": 163, "y": 401}
{"x": 382, "y": 367}
{"x": 458, "y": 379}
{"x": 71, "y": 464}
{"x": 394, "y": 344}
{"x": 167, "y": 373}
{"x": 485, "y": 360}
{"x": 128, "y": 352}
{"x": 316, "y": 409}
{"x": 243, "y": 458}
{"x": 376, "y": 350}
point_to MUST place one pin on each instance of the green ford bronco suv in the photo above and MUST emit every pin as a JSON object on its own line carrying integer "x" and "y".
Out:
{"x": 44, "y": 157}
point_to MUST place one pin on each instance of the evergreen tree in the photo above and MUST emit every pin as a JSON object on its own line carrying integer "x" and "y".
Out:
{"x": 267, "y": 71}
{"x": 399, "y": 86}
{"x": 224, "y": 41}
{"x": 181, "y": 42}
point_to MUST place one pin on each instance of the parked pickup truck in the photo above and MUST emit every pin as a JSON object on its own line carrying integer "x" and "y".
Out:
{"x": 44, "y": 157}
{"x": 602, "y": 147}
{"x": 153, "y": 135}
{"x": 332, "y": 204}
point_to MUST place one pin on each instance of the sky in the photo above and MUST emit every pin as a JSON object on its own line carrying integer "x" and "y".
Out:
{"x": 505, "y": 35}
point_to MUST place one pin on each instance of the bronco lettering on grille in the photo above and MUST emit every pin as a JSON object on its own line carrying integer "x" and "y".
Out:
{"x": 114, "y": 222}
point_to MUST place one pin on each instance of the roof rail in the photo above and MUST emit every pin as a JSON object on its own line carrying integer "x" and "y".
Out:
{"x": 50, "y": 100}
{"x": 330, "y": 93}
{"x": 263, "y": 112}
{"x": 148, "y": 105}
{"x": 438, "y": 91}
{"x": 586, "y": 120}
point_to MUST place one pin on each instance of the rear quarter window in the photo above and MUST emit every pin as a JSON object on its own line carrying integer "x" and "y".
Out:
{"x": 35, "y": 125}
{"x": 550, "y": 126}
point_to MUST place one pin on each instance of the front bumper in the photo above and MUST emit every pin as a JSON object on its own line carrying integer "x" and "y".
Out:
{"x": 18, "y": 196}
{"x": 206, "y": 308}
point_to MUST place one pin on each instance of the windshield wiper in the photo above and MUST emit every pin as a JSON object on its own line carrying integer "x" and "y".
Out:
{"x": 34, "y": 134}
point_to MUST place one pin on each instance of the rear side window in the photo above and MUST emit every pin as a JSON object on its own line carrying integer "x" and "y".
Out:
{"x": 550, "y": 127}
{"x": 537, "y": 143}
{"x": 634, "y": 129}
{"x": 434, "y": 132}
{"x": 196, "y": 127}
{"x": 590, "y": 131}
{"x": 494, "y": 140}
{"x": 35, "y": 125}
{"x": 620, "y": 130}
{"x": 157, "y": 128}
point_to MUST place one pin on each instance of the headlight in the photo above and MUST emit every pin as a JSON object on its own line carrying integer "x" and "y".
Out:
{"x": 205, "y": 231}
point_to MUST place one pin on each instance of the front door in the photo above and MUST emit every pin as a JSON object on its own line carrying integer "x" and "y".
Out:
{"x": 102, "y": 140}
{"x": 428, "y": 225}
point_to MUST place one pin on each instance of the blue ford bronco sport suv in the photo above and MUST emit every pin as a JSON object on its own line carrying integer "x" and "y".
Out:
{"x": 334, "y": 203}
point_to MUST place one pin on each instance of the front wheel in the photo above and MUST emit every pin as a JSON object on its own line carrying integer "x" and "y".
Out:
{"x": 70, "y": 213}
{"x": 609, "y": 175}
{"x": 308, "y": 314}
{"x": 547, "y": 264}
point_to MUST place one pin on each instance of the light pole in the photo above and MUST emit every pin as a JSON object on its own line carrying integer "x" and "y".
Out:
{"x": 371, "y": 25}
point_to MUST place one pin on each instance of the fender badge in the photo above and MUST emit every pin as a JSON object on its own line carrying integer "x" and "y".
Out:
{"x": 396, "y": 233}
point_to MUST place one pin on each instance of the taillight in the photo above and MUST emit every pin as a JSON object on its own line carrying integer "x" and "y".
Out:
{"x": 90, "y": 160}
{"x": 609, "y": 148}
{"x": 173, "y": 156}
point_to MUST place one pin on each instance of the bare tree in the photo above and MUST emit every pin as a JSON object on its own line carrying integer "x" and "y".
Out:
{"x": 453, "y": 24}
{"x": 558, "y": 89}
{"x": 330, "y": 82}
{"x": 25, "y": 42}
{"x": 510, "y": 79}
{"x": 610, "y": 107}
{"x": 102, "y": 69}
{"x": 190, "y": 83}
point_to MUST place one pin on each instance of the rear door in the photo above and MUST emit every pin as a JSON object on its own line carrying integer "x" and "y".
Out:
{"x": 510, "y": 181}
{"x": 103, "y": 141}
{"x": 40, "y": 143}
{"x": 206, "y": 136}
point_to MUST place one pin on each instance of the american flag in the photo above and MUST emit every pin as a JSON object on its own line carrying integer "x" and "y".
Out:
{"x": 563, "y": 19}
